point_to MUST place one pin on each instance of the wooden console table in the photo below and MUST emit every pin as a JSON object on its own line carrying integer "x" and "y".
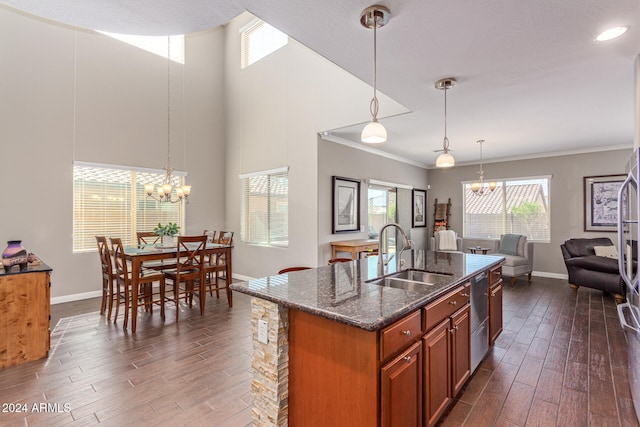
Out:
{"x": 354, "y": 247}
{"x": 24, "y": 314}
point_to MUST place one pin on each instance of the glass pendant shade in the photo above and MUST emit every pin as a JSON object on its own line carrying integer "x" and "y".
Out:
{"x": 445, "y": 160}
{"x": 493, "y": 185}
{"x": 475, "y": 187}
{"x": 374, "y": 133}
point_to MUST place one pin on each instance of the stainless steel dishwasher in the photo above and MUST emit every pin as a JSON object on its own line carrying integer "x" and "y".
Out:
{"x": 479, "y": 318}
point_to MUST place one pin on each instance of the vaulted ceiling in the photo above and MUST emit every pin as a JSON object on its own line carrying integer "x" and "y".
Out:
{"x": 531, "y": 80}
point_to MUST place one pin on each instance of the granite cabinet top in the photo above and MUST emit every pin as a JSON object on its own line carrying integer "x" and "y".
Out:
{"x": 343, "y": 291}
{"x": 32, "y": 268}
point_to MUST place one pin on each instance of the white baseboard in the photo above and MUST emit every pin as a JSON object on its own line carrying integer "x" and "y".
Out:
{"x": 76, "y": 297}
{"x": 550, "y": 275}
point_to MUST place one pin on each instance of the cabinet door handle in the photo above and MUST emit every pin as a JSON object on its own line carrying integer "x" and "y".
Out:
{"x": 451, "y": 331}
{"x": 407, "y": 359}
{"x": 464, "y": 295}
{"x": 453, "y": 302}
{"x": 406, "y": 333}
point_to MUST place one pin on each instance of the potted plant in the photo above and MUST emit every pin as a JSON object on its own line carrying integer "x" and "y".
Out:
{"x": 167, "y": 233}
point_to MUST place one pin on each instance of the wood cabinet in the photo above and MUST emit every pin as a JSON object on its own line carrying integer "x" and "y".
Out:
{"x": 495, "y": 303}
{"x": 404, "y": 375}
{"x": 401, "y": 389}
{"x": 24, "y": 317}
{"x": 447, "y": 356}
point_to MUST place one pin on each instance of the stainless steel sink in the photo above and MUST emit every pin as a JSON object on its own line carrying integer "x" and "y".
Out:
{"x": 411, "y": 280}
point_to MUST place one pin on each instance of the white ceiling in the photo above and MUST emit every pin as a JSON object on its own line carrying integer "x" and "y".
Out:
{"x": 531, "y": 80}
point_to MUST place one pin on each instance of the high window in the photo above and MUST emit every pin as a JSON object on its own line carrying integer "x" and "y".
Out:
{"x": 259, "y": 39}
{"x": 265, "y": 207}
{"x": 110, "y": 201}
{"x": 517, "y": 205}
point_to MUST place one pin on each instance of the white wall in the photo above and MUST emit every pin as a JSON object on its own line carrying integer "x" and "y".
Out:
{"x": 72, "y": 94}
{"x": 566, "y": 195}
{"x": 275, "y": 109}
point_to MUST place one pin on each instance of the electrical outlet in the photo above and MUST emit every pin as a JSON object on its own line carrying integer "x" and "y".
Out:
{"x": 263, "y": 327}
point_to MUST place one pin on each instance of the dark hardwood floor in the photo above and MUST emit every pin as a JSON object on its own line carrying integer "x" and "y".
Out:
{"x": 561, "y": 360}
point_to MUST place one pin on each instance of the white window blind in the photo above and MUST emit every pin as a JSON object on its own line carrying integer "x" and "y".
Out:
{"x": 110, "y": 201}
{"x": 265, "y": 208}
{"x": 258, "y": 40}
{"x": 517, "y": 205}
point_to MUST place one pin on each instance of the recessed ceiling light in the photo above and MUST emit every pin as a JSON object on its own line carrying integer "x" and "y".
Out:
{"x": 611, "y": 33}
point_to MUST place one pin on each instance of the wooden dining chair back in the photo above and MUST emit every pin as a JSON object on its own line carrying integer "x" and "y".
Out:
{"x": 217, "y": 265}
{"x": 107, "y": 273}
{"x": 147, "y": 238}
{"x": 335, "y": 260}
{"x": 291, "y": 269}
{"x": 225, "y": 238}
{"x": 211, "y": 235}
{"x": 147, "y": 295}
{"x": 189, "y": 271}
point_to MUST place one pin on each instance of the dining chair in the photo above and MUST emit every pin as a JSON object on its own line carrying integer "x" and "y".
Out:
{"x": 335, "y": 260}
{"x": 211, "y": 235}
{"x": 189, "y": 270}
{"x": 147, "y": 295}
{"x": 218, "y": 263}
{"x": 106, "y": 274}
{"x": 147, "y": 238}
{"x": 290, "y": 269}
{"x": 151, "y": 238}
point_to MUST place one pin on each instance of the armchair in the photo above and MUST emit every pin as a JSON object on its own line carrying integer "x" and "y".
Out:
{"x": 443, "y": 240}
{"x": 585, "y": 268}
{"x": 518, "y": 255}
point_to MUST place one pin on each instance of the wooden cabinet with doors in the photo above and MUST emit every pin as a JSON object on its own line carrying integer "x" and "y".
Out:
{"x": 495, "y": 303}
{"x": 446, "y": 347}
{"x": 24, "y": 315}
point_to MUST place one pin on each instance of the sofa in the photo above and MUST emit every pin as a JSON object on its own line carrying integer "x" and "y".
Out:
{"x": 585, "y": 268}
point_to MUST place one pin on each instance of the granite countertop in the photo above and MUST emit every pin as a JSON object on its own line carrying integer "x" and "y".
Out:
{"x": 342, "y": 291}
{"x": 32, "y": 268}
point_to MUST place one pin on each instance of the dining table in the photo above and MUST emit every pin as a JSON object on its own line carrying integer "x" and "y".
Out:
{"x": 137, "y": 255}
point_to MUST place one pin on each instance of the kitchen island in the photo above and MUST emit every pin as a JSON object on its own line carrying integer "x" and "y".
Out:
{"x": 332, "y": 347}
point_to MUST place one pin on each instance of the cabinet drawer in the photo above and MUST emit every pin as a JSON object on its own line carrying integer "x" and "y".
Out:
{"x": 445, "y": 306}
{"x": 399, "y": 335}
{"x": 494, "y": 275}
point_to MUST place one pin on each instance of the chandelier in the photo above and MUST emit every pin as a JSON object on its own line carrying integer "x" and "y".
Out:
{"x": 445, "y": 160}
{"x": 164, "y": 190}
{"x": 479, "y": 187}
{"x": 374, "y": 17}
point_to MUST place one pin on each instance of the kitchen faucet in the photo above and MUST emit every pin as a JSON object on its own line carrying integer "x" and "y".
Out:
{"x": 406, "y": 244}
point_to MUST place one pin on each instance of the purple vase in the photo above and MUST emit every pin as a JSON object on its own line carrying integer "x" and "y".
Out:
{"x": 15, "y": 254}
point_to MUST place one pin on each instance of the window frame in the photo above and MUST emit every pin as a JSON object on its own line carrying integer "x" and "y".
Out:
{"x": 248, "y": 218}
{"x": 502, "y": 183}
{"x": 136, "y": 205}
{"x": 245, "y": 42}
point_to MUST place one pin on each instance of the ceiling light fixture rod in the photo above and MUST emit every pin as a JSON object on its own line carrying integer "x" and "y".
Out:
{"x": 374, "y": 17}
{"x": 479, "y": 187}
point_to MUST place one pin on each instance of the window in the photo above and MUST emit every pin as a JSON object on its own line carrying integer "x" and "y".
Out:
{"x": 258, "y": 40}
{"x": 517, "y": 205}
{"x": 265, "y": 207}
{"x": 155, "y": 44}
{"x": 111, "y": 201}
{"x": 381, "y": 208}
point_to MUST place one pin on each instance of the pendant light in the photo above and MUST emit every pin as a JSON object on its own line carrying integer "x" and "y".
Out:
{"x": 445, "y": 160}
{"x": 374, "y": 17}
{"x": 169, "y": 182}
{"x": 479, "y": 187}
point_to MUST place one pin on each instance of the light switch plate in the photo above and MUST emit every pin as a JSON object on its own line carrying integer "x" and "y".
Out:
{"x": 262, "y": 331}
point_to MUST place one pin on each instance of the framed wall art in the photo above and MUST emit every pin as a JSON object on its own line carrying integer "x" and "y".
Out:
{"x": 418, "y": 208}
{"x": 346, "y": 205}
{"x": 601, "y": 202}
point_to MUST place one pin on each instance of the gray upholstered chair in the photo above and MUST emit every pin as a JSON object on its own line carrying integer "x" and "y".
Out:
{"x": 435, "y": 244}
{"x": 518, "y": 254}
